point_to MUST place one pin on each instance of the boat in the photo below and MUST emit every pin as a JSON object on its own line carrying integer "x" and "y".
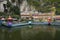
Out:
{"x": 46, "y": 23}
{"x": 55, "y": 23}
{"x": 31, "y": 23}
{"x": 37, "y": 23}
{"x": 15, "y": 25}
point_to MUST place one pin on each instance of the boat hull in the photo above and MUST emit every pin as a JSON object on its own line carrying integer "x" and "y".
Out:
{"x": 33, "y": 23}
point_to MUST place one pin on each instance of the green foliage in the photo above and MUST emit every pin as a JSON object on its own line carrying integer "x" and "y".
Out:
{"x": 46, "y": 5}
{"x": 20, "y": 1}
{"x": 2, "y": 13}
{"x": 37, "y": 5}
{"x": 8, "y": 4}
{"x": 15, "y": 10}
{"x": 15, "y": 16}
{"x": 13, "y": 1}
{"x": 33, "y": 3}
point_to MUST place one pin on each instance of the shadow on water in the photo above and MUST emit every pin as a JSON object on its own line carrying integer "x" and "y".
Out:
{"x": 30, "y": 32}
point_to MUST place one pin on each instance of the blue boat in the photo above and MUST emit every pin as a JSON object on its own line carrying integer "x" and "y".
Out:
{"x": 15, "y": 25}
{"x": 1, "y": 23}
{"x": 31, "y": 23}
{"x": 46, "y": 23}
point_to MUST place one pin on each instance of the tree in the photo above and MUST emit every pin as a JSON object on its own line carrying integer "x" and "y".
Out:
{"x": 8, "y": 7}
{"x": 18, "y": 5}
{"x": 13, "y": 1}
{"x": 14, "y": 10}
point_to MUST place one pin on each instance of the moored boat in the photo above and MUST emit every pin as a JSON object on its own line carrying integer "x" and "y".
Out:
{"x": 15, "y": 25}
{"x": 31, "y": 23}
{"x": 46, "y": 23}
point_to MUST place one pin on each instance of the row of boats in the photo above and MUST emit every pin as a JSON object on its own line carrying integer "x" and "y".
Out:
{"x": 10, "y": 24}
{"x": 30, "y": 23}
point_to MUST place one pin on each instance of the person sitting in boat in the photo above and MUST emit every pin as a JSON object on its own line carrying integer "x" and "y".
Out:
{"x": 10, "y": 18}
{"x": 9, "y": 24}
{"x": 0, "y": 21}
{"x": 49, "y": 20}
{"x": 3, "y": 19}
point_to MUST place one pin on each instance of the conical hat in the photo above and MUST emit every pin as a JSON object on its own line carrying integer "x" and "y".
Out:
{"x": 9, "y": 17}
{"x": 3, "y": 19}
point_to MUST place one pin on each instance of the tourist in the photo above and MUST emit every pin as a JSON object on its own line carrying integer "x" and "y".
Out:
{"x": 0, "y": 21}
{"x": 3, "y": 20}
{"x": 10, "y": 19}
{"x": 49, "y": 21}
{"x": 9, "y": 23}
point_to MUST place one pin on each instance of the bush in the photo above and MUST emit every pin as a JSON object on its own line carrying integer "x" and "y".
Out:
{"x": 15, "y": 10}
{"x": 2, "y": 14}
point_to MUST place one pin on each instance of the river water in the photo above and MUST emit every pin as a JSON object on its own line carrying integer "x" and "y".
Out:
{"x": 30, "y": 32}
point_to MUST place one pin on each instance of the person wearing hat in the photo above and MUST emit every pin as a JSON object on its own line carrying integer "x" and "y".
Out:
{"x": 0, "y": 21}
{"x": 49, "y": 20}
{"x": 9, "y": 23}
{"x": 3, "y": 20}
{"x": 10, "y": 19}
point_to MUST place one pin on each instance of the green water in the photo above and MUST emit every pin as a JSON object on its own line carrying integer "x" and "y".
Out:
{"x": 30, "y": 32}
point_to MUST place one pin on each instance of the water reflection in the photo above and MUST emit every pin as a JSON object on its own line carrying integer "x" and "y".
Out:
{"x": 30, "y": 32}
{"x": 2, "y": 35}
